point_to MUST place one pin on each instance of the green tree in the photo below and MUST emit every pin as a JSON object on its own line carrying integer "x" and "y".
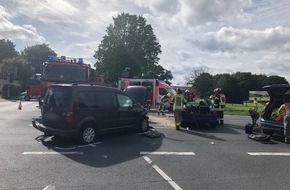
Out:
{"x": 21, "y": 69}
{"x": 260, "y": 80}
{"x": 36, "y": 55}
{"x": 194, "y": 73}
{"x": 7, "y": 49}
{"x": 225, "y": 81}
{"x": 274, "y": 79}
{"x": 129, "y": 43}
{"x": 203, "y": 84}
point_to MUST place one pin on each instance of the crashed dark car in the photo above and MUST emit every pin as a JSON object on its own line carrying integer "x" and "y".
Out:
{"x": 271, "y": 120}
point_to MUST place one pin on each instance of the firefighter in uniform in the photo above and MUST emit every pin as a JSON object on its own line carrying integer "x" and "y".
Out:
{"x": 219, "y": 104}
{"x": 178, "y": 105}
{"x": 164, "y": 101}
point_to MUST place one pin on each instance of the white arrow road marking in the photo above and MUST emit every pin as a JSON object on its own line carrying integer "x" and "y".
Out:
{"x": 169, "y": 153}
{"x": 269, "y": 153}
{"x": 163, "y": 174}
{"x": 59, "y": 153}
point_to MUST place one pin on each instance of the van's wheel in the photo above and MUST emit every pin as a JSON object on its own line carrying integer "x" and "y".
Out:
{"x": 87, "y": 134}
{"x": 144, "y": 126}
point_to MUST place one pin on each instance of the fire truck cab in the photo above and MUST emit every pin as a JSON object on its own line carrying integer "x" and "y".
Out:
{"x": 60, "y": 70}
{"x": 156, "y": 87}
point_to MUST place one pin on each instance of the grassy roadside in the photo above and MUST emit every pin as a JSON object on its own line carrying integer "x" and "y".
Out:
{"x": 241, "y": 109}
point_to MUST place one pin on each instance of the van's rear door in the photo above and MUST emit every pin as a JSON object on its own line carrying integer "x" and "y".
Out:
{"x": 55, "y": 106}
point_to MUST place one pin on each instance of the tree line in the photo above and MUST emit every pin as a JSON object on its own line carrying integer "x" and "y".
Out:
{"x": 235, "y": 86}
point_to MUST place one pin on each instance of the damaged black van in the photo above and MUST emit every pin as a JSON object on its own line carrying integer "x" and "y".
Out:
{"x": 83, "y": 111}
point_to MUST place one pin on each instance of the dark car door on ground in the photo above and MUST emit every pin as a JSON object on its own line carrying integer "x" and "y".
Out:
{"x": 100, "y": 106}
{"x": 129, "y": 111}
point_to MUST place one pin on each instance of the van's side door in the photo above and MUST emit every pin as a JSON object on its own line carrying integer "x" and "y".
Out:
{"x": 99, "y": 106}
{"x": 129, "y": 112}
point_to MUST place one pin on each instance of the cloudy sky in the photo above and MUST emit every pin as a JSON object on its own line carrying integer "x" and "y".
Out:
{"x": 225, "y": 35}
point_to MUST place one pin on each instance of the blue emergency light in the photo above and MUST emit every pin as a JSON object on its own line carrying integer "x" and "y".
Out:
{"x": 50, "y": 58}
{"x": 81, "y": 60}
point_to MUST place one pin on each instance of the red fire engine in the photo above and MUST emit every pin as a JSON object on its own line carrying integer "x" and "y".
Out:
{"x": 61, "y": 70}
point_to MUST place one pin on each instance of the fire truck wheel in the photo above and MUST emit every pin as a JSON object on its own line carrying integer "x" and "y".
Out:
{"x": 27, "y": 98}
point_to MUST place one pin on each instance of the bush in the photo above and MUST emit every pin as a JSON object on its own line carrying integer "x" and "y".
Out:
{"x": 15, "y": 90}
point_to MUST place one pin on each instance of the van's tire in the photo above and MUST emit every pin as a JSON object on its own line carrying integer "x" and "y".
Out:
{"x": 87, "y": 134}
{"x": 144, "y": 125}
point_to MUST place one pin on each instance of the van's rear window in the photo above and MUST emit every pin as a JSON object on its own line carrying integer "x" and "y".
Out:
{"x": 57, "y": 96}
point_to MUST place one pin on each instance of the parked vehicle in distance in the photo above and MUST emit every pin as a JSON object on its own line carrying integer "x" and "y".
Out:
{"x": 22, "y": 95}
{"x": 156, "y": 87}
{"x": 83, "y": 111}
{"x": 271, "y": 121}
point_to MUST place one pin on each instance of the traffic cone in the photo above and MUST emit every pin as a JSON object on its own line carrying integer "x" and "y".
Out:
{"x": 20, "y": 105}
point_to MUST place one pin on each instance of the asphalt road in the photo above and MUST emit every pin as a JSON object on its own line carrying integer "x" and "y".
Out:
{"x": 202, "y": 158}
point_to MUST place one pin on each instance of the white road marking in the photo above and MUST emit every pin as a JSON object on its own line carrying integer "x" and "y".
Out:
{"x": 163, "y": 174}
{"x": 59, "y": 153}
{"x": 269, "y": 153}
{"x": 169, "y": 153}
{"x": 49, "y": 187}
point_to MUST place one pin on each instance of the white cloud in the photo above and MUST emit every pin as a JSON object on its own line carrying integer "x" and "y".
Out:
{"x": 224, "y": 35}
{"x": 230, "y": 40}
{"x": 198, "y": 12}
{"x": 159, "y": 7}
{"x": 8, "y": 30}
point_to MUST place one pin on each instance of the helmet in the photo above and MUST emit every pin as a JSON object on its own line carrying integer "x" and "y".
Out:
{"x": 217, "y": 90}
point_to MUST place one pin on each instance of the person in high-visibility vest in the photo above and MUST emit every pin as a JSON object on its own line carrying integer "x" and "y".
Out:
{"x": 219, "y": 104}
{"x": 164, "y": 101}
{"x": 255, "y": 103}
{"x": 178, "y": 106}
